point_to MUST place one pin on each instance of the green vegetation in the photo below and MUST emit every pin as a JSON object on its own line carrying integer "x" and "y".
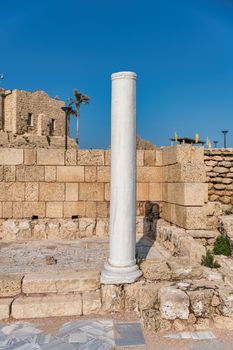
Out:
{"x": 209, "y": 261}
{"x": 222, "y": 246}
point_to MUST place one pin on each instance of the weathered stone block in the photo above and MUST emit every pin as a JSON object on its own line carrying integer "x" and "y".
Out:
{"x": 112, "y": 298}
{"x": 10, "y": 285}
{"x": 9, "y": 173}
{"x": 25, "y": 231}
{"x": 54, "y": 209}
{"x": 50, "y": 173}
{"x": 52, "y": 229}
{"x": 107, "y": 192}
{"x": 90, "y": 174}
{"x": 71, "y": 157}
{"x": 10, "y": 229}
{"x": 102, "y": 209}
{"x": 39, "y": 231}
{"x": 72, "y": 191}
{"x": 29, "y": 156}
{"x": 103, "y": 174}
{"x": 187, "y": 194}
{"x": 90, "y": 209}
{"x": 33, "y": 209}
{"x": 47, "y": 306}
{"x": 61, "y": 282}
{"x": 11, "y": 156}
{"x": 70, "y": 173}
{"x": 183, "y": 268}
{"x": 201, "y": 302}
{"x": 102, "y": 227}
{"x": 182, "y": 154}
{"x": 173, "y": 303}
{"x": 74, "y": 209}
{"x": 91, "y": 302}
{"x": 69, "y": 229}
{"x": 11, "y": 191}
{"x": 150, "y": 157}
{"x": 149, "y": 174}
{"x": 155, "y": 192}
{"x": 31, "y": 191}
{"x": 155, "y": 269}
{"x": 142, "y": 191}
{"x": 91, "y": 191}
{"x": 226, "y": 297}
{"x": 185, "y": 172}
{"x": 30, "y": 173}
{"x": 90, "y": 157}
{"x": 107, "y": 157}
{"x": 7, "y": 210}
{"x": 148, "y": 296}
{"x": 87, "y": 227}
{"x": 17, "y": 210}
{"x": 140, "y": 157}
{"x": 50, "y": 156}
{"x": 132, "y": 295}
{"x": 52, "y": 192}
{"x": 5, "y": 305}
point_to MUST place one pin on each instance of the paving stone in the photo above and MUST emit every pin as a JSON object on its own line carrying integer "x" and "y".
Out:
{"x": 129, "y": 334}
{"x": 192, "y": 335}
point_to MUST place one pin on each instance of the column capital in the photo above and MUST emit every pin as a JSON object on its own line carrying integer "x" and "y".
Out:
{"x": 124, "y": 75}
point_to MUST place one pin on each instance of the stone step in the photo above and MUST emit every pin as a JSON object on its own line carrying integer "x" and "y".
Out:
{"x": 61, "y": 282}
{"x": 47, "y": 306}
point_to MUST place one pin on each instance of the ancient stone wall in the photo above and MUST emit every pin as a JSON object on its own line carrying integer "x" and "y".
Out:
{"x": 43, "y": 111}
{"x": 47, "y": 187}
{"x": 219, "y": 170}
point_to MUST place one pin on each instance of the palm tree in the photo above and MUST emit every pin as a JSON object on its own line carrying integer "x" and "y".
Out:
{"x": 74, "y": 107}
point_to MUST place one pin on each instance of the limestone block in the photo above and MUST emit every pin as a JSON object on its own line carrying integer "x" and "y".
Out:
{"x": 149, "y": 174}
{"x": 190, "y": 218}
{"x": 200, "y": 302}
{"x": 142, "y": 191}
{"x": 33, "y": 209}
{"x": 25, "y": 231}
{"x": 10, "y": 229}
{"x": 102, "y": 227}
{"x": 54, "y": 209}
{"x": 173, "y": 303}
{"x": 107, "y": 157}
{"x": 103, "y": 174}
{"x": 148, "y": 296}
{"x": 30, "y": 173}
{"x": 140, "y": 157}
{"x": 185, "y": 172}
{"x": 152, "y": 321}
{"x": 223, "y": 322}
{"x": 132, "y": 295}
{"x": 50, "y": 173}
{"x": 70, "y": 173}
{"x": 102, "y": 209}
{"x": 226, "y": 225}
{"x": 182, "y": 154}
{"x": 74, "y": 209}
{"x": 90, "y": 173}
{"x": 29, "y": 156}
{"x": 61, "y": 282}
{"x": 189, "y": 247}
{"x": 69, "y": 229}
{"x": 31, "y": 191}
{"x": 17, "y": 210}
{"x": 220, "y": 170}
{"x": 91, "y": 302}
{"x": 71, "y": 157}
{"x": 11, "y": 191}
{"x": 47, "y": 306}
{"x": 183, "y": 268}
{"x": 11, "y": 156}
{"x": 159, "y": 157}
{"x": 150, "y": 157}
{"x": 87, "y": 227}
{"x": 155, "y": 269}
{"x": 90, "y": 157}
{"x": 112, "y": 297}
{"x": 51, "y": 192}
{"x": 155, "y": 192}
{"x": 107, "y": 192}
{"x": 188, "y": 194}
{"x": 7, "y": 210}
{"x": 50, "y": 156}
{"x": 71, "y": 191}
{"x": 10, "y": 284}
{"x": 5, "y": 305}
{"x": 90, "y": 209}
{"x": 226, "y": 298}
{"x": 52, "y": 229}
{"x": 91, "y": 191}
{"x": 9, "y": 173}
{"x": 39, "y": 231}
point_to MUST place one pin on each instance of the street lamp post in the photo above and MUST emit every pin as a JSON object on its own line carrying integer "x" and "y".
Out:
{"x": 215, "y": 144}
{"x": 225, "y": 137}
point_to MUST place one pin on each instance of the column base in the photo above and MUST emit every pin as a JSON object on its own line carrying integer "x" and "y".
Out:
{"x": 120, "y": 275}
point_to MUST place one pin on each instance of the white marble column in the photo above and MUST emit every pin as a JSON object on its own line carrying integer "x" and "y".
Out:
{"x": 121, "y": 266}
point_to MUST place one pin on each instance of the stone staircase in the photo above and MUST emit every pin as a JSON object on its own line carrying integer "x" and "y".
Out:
{"x": 50, "y": 294}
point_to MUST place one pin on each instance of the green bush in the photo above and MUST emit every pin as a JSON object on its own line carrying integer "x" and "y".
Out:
{"x": 222, "y": 246}
{"x": 208, "y": 260}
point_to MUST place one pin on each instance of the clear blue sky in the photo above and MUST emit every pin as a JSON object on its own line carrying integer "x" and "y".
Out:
{"x": 182, "y": 51}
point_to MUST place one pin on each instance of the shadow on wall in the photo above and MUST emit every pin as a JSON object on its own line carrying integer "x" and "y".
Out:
{"x": 151, "y": 216}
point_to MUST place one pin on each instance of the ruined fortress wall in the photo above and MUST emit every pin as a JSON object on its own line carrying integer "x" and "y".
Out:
{"x": 53, "y": 185}
{"x": 20, "y": 103}
{"x": 219, "y": 170}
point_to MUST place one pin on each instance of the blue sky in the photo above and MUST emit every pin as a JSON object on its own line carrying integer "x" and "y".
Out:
{"x": 182, "y": 51}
